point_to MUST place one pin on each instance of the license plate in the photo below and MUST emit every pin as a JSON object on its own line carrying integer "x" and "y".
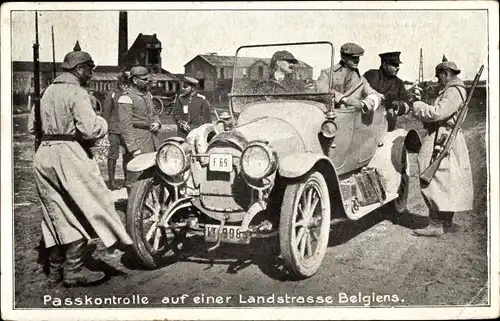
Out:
{"x": 221, "y": 163}
{"x": 230, "y": 234}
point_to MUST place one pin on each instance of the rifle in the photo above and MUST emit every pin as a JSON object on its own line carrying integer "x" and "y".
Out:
{"x": 36, "y": 80}
{"x": 429, "y": 172}
{"x": 53, "y": 56}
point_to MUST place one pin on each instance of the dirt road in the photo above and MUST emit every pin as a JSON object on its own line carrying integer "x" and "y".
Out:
{"x": 364, "y": 259}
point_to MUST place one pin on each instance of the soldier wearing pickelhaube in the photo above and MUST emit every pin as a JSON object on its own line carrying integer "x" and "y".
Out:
{"x": 451, "y": 189}
{"x": 76, "y": 204}
{"x": 385, "y": 81}
{"x": 191, "y": 109}
{"x": 138, "y": 124}
{"x": 349, "y": 87}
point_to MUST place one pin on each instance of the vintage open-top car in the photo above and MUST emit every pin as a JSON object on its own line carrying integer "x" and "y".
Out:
{"x": 287, "y": 161}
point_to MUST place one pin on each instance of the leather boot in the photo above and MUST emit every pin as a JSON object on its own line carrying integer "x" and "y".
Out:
{"x": 75, "y": 273}
{"x": 111, "y": 173}
{"x": 56, "y": 260}
{"x": 435, "y": 227}
{"x": 448, "y": 226}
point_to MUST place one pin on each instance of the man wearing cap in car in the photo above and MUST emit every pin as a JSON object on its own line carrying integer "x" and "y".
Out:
{"x": 349, "y": 87}
{"x": 191, "y": 109}
{"x": 281, "y": 77}
{"x": 76, "y": 204}
{"x": 451, "y": 188}
{"x": 385, "y": 81}
{"x": 138, "y": 124}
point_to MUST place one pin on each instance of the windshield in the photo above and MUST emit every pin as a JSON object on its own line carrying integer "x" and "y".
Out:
{"x": 285, "y": 71}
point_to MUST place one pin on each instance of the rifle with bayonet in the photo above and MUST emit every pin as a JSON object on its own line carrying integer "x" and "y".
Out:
{"x": 36, "y": 81}
{"x": 429, "y": 172}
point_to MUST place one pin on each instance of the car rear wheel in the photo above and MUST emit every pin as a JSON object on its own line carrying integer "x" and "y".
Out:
{"x": 305, "y": 225}
{"x": 153, "y": 245}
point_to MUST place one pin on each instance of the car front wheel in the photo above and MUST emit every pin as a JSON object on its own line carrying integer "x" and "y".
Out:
{"x": 152, "y": 244}
{"x": 305, "y": 225}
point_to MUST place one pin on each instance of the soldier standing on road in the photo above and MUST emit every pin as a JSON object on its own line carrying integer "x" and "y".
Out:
{"x": 191, "y": 110}
{"x": 110, "y": 113}
{"x": 451, "y": 189}
{"x": 138, "y": 124}
{"x": 76, "y": 203}
{"x": 349, "y": 87}
{"x": 385, "y": 81}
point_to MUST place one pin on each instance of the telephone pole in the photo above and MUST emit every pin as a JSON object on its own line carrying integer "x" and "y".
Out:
{"x": 421, "y": 68}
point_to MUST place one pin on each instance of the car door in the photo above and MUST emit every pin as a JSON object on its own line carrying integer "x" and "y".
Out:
{"x": 369, "y": 130}
{"x": 340, "y": 150}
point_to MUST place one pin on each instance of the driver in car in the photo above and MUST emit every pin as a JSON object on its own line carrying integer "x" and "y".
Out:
{"x": 281, "y": 78}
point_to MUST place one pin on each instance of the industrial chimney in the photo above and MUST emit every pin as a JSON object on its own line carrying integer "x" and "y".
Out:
{"x": 122, "y": 36}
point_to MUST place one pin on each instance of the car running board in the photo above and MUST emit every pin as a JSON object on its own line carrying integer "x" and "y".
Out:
{"x": 363, "y": 210}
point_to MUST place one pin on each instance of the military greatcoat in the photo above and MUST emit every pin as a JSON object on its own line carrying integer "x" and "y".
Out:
{"x": 348, "y": 83}
{"x": 451, "y": 189}
{"x": 75, "y": 201}
{"x": 136, "y": 115}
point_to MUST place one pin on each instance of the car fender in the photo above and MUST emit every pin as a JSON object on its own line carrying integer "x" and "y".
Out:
{"x": 296, "y": 165}
{"x": 142, "y": 162}
{"x": 390, "y": 158}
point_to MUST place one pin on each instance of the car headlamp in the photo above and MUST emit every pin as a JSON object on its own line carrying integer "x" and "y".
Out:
{"x": 172, "y": 158}
{"x": 258, "y": 161}
{"x": 329, "y": 128}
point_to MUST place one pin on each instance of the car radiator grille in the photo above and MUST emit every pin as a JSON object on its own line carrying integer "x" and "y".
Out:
{"x": 225, "y": 191}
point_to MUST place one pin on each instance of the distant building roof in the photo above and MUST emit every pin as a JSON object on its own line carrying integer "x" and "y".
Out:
{"x": 47, "y": 67}
{"x": 243, "y": 62}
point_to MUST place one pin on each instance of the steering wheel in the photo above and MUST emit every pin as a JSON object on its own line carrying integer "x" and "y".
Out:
{"x": 272, "y": 82}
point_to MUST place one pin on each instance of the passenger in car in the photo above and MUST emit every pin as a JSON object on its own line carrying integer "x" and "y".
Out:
{"x": 349, "y": 87}
{"x": 386, "y": 82}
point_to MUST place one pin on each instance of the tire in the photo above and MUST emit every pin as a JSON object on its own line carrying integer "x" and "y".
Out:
{"x": 400, "y": 203}
{"x": 158, "y": 106}
{"x": 166, "y": 249}
{"x": 314, "y": 233}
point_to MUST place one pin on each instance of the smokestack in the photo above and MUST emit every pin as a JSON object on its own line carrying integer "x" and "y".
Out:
{"x": 122, "y": 36}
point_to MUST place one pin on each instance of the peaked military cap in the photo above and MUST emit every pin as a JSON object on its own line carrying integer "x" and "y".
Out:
{"x": 447, "y": 65}
{"x": 391, "y": 57}
{"x": 352, "y": 49}
{"x": 191, "y": 81}
{"x": 138, "y": 71}
{"x": 76, "y": 57}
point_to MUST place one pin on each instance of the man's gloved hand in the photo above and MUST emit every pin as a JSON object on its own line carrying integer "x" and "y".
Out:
{"x": 400, "y": 107}
{"x": 137, "y": 153}
{"x": 352, "y": 102}
{"x": 154, "y": 127}
{"x": 184, "y": 126}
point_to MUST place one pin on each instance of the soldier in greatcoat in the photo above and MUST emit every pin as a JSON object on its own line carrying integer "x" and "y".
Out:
{"x": 451, "y": 189}
{"x": 76, "y": 204}
{"x": 138, "y": 124}
{"x": 349, "y": 87}
{"x": 191, "y": 109}
{"x": 385, "y": 81}
{"x": 110, "y": 113}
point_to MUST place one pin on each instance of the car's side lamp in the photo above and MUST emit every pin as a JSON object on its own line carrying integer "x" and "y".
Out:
{"x": 329, "y": 126}
{"x": 224, "y": 123}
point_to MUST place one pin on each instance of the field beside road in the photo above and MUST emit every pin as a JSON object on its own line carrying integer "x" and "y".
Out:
{"x": 372, "y": 255}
